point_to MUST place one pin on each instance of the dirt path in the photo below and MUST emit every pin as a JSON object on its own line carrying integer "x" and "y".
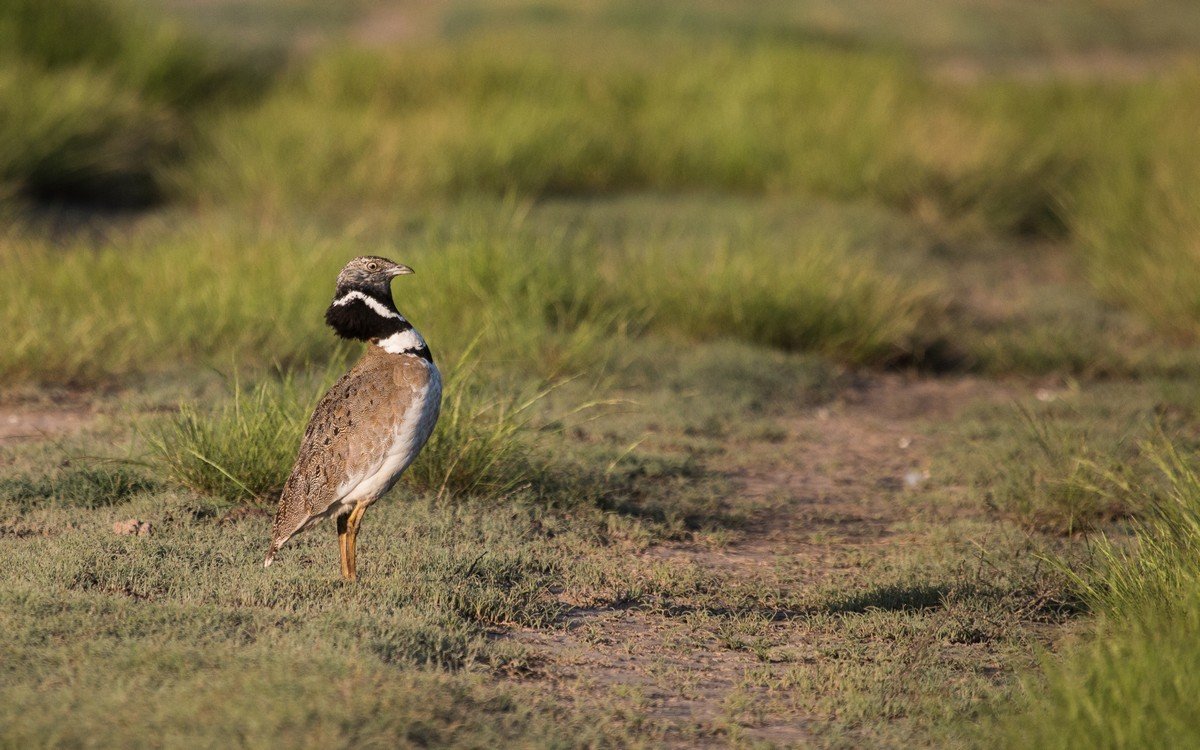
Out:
{"x": 833, "y": 503}
{"x": 18, "y": 423}
{"x": 391, "y": 24}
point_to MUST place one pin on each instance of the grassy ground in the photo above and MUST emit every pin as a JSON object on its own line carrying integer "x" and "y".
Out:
{"x": 815, "y": 377}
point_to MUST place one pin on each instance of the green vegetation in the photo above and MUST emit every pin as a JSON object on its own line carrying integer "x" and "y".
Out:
{"x": 244, "y": 450}
{"x": 783, "y": 347}
{"x": 89, "y": 487}
{"x": 1138, "y": 225}
{"x": 98, "y": 116}
{"x": 560, "y": 301}
{"x": 469, "y": 119}
{"x": 75, "y": 134}
{"x": 1126, "y": 687}
{"x": 1059, "y": 469}
{"x": 359, "y": 130}
{"x": 1073, "y": 459}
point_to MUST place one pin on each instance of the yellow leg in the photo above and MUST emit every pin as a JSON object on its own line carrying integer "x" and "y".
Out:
{"x": 352, "y": 541}
{"x": 343, "y": 538}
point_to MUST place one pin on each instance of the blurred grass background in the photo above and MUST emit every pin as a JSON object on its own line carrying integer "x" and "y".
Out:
{"x": 279, "y": 144}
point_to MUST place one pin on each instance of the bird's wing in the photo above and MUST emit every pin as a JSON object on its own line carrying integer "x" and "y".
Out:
{"x": 348, "y": 437}
{"x": 320, "y": 464}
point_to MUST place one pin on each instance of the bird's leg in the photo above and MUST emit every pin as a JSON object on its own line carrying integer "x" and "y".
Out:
{"x": 343, "y": 538}
{"x": 352, "y": 540}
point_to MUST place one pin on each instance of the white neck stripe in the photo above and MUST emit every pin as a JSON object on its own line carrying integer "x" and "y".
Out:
{"x": 403, "y": 342}
{"x": 371, "y": 302}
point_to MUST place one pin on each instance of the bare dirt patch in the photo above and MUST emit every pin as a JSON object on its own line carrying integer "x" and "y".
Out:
{"x": 835, "y": 497}
{"x": 394, "y": 23}
{"x": 38, "y": 423}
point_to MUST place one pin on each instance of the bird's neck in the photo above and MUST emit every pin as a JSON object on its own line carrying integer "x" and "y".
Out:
{"x": 371, "y": 315}
{"x": 364, "y": 315}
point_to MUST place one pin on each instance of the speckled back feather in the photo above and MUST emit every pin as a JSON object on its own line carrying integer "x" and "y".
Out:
{"x": 350, "y": 434}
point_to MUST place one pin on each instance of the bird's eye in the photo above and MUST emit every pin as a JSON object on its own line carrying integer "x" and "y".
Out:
{"x": 372, "y": 266}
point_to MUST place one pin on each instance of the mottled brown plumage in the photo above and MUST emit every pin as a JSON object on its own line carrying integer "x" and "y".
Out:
{"x": 349, "y": 435}
{"x": 371, "y": 424}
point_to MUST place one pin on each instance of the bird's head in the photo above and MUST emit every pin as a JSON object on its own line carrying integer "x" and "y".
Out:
{"x": 362, "y": 306}
{"x": 371, "y": 274}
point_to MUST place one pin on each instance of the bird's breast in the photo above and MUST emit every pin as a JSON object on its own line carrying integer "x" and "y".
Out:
{"x": 418, "y": 386}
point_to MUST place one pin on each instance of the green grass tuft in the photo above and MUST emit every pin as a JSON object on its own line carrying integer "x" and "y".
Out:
{"x": 1128, "y": 686}
{"x": 241, "y": 451}
{"x": 814, "y": 297}
{"x": 142, "y": 52}
{"x": 1060, "y": 469}
{"x": 482, "y": 443}
{"x": 1162, "y": 571}
{"x": 1138, "y": 222}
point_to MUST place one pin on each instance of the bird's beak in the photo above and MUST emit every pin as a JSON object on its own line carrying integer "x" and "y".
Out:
{"x": 401, "y": 270}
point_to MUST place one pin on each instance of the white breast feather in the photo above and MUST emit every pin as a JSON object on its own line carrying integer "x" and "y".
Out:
{"x": 408, "y": 438}
{"x": 405, "y": 341}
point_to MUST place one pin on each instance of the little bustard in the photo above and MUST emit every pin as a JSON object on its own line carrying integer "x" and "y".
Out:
{"x": 371, "y": 424}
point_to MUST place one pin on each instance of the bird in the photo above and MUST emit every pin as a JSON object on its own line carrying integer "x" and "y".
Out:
{"x": 371, "y": 424}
